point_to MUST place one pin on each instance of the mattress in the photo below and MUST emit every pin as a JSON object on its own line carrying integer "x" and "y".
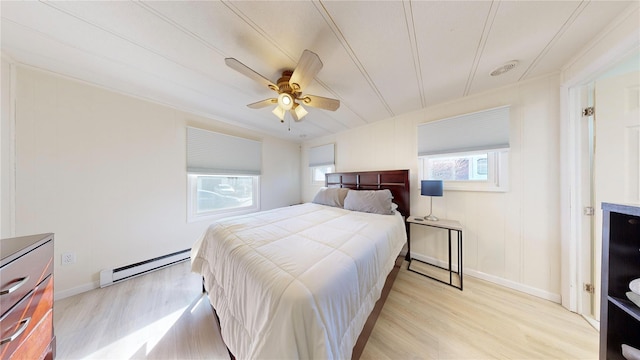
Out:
{"x": 297, "y": 282}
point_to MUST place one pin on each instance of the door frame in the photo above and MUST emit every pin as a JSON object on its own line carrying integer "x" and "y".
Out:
{"x": 570, "y": 182}
{"x": 585, "y": 197}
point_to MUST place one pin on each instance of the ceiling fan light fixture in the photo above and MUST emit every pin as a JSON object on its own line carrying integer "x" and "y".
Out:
{"x": 285, "y": 101}
{"x": 279, "y": 112}
{"x": 290, "y": 87}
{"x": 300, "y": 111}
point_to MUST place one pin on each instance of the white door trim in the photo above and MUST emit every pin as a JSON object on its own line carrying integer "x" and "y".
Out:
{"x": 570, "y": 211}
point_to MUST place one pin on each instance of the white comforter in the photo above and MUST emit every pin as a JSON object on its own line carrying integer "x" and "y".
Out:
{"x": 298, "y": 281}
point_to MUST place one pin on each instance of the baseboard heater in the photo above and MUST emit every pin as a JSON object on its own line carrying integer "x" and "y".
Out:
{"x": 112, "y": 276}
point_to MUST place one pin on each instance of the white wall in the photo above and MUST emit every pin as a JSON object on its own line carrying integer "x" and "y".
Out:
{"x": 511, "y": 238}
{"x": 6, "y": 149}
{"x": 107, "y": 174}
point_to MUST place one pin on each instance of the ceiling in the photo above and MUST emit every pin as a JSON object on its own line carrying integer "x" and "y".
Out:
{"x": 381, "y": 58}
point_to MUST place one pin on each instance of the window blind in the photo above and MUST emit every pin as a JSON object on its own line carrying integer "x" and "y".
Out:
{"x": 322, "y": 155}
{"x": 210, "y": 152}
{"x": 483, "y": 130}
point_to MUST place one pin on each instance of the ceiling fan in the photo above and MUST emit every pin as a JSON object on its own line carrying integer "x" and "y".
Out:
{"x": 289, "y": 87}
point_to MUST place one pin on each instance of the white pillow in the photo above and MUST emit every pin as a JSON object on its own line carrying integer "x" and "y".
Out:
{"x": 331, "y": 197}
{"x": 371, "y": 201}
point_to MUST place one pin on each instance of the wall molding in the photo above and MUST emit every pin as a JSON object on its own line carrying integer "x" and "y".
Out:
{"x": 59, "y": 295}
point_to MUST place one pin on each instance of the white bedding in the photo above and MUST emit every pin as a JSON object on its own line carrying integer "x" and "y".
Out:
{"x": 298, "y": 281}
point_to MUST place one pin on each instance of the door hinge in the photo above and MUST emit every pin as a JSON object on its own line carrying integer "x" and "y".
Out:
{"x": 589, "y": 288}
{"x": 588, "y": 210}
{"x": 588, "y": 111}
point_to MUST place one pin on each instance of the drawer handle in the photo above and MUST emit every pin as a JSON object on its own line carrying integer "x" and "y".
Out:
{"x": 25, "y": 323}
{"x": 15, "y": 287}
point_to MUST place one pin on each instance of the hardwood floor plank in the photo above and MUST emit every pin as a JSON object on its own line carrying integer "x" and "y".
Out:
{"x": 163, "y": 315}
{"x": 430, "y": 320}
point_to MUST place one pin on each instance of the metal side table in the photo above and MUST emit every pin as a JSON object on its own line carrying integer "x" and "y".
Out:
{"x": 449, "y": 225}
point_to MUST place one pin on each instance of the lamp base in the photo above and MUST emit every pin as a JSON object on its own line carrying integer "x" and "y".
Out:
{"x": 431, "y": 218}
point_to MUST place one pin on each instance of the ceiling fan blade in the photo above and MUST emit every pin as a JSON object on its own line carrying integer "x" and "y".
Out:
{"x": 248, "y": 72}
{"x": 321, "y": 102}
{"x": 263, "y": 103}
{"x": 305, "y": 71}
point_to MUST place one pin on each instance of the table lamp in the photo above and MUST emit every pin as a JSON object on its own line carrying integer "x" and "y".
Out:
{"x": 431, "y": 188}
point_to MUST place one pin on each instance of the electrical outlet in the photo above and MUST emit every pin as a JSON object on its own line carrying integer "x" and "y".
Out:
{"x": 68, "y": 258}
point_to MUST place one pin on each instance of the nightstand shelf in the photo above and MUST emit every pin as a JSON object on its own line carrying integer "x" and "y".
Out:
{"x": 619, "y": 317}
{"x": 452, "y": 226}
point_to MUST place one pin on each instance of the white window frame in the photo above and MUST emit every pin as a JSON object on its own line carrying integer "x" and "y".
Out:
{"x": 312, "y": 170}
{"x": 192, "y": 203}
{"x": 497, "y": 172}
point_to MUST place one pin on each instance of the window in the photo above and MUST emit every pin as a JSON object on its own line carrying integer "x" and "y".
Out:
{"x": 318, "y": 173}
{"x": 479, "y": 171}
{"x": 469, "y": 152}
{"x": 222, "y": 194}
{"x": 223, "y": 174}
{"x": 457, "y": 167}
{"x": 321, "y": 162}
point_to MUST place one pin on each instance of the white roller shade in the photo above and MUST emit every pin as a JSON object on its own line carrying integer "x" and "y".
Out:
{"x": 210, "y": 152}
{"x": 321, "y": 155}
{"x": 483, "y": 130}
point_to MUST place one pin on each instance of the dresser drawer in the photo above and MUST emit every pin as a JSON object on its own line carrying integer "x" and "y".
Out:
{"x": 35, "y": 346}
{"x": 17, "y": 325}
{"x": 20, "y": 276}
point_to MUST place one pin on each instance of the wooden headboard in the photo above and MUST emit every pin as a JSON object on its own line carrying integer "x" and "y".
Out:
{"x": 397, "y": 181}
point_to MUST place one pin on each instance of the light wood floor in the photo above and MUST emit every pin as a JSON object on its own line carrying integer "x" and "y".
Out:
{"x": 163, "y": 315}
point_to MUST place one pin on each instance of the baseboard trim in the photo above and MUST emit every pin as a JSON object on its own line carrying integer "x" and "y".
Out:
{"x": 59, "y": 295}
{"x": 593, "y": 322}
{"x": 557, "y": 298}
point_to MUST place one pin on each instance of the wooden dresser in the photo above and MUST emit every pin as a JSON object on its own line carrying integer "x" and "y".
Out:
{"x": 26, "y": 298}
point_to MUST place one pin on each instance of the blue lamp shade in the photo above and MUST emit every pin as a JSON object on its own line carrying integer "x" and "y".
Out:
{"x": 431, "y": 187}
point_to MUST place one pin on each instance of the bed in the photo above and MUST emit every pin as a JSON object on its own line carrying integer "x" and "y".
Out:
{"x": 305, "y": 281}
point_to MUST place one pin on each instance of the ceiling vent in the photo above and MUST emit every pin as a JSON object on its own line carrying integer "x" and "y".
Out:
{"x": 504, "y": 68}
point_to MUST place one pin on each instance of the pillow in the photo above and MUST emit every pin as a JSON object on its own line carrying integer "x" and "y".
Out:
{"x": 331, "y": 197}
{"x": 371, "y": 201}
